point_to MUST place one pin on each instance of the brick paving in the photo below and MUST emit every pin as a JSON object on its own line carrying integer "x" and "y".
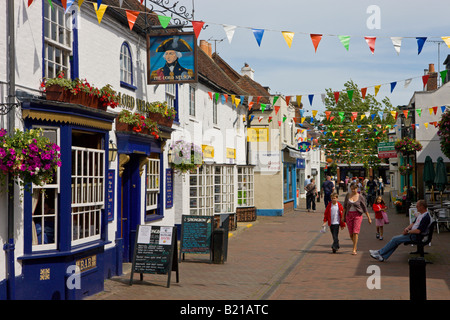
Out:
{"x": 287, "y": 258}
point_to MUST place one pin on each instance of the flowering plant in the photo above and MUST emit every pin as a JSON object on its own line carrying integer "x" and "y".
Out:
{"x": 139, "y": 122}
{"x": 404, "y": 170}
{"x": 444, "y": 133}
{"x": 29, "y": 157}
{"x": 161, "y": 108}
{"x": 108, "y": 96}
{"x": 186, "y": 156}
{"x": 407, "y": 145}
{"x": 398, "y": 203}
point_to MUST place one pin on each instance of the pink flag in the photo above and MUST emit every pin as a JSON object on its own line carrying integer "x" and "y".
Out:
{"x": 371, "y": 42}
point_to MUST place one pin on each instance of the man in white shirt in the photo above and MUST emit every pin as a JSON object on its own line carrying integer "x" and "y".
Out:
{"x": 420, "y": 226}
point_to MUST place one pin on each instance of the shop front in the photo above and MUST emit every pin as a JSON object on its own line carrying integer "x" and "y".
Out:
{"x": 67, "y": 252}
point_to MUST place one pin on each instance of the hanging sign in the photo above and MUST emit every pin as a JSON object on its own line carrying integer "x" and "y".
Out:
{"x": 304, "y": 146}
{"x": 171, "y": 58}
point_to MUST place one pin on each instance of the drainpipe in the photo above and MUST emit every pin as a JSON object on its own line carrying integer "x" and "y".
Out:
{"x": 9, "y": 247}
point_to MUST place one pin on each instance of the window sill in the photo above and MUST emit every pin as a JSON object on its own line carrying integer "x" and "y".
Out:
{"x": 54, "y": 254}
{"x": 128, "y": 86}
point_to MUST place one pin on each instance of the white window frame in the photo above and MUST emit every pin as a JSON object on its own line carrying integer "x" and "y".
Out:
{"x": 88, "y": 194}
{"x": 191, "y": 101}
{"x": 201, "y": 191}
{"x": 224, "y": 201}
{"x": 54, "y": 42}
{"x": 54, "y": 185}
{"x": 245, "y": 188}
{"x": 170, "y": 95}
{"x": 152, "y": 184}
{"x": 214, "y": 101}
{"x": 126, "y": 64}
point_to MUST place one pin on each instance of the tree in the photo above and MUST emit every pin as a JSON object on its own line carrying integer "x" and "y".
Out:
{"x": 353, "y": 127}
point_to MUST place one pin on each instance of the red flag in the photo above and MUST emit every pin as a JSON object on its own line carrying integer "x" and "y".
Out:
{"x": 197, "y": 25}
{"x": 257, "y": 99}
{"x": 250, "y": 105}
{"x": 279, "y": 123}
{"x": 331, "y": 119}
{"x": 315, "y": 40}
{"x": 226, "y": 97}
{"x": 405, "y": 112}
{"x": 288, "y": 99}
{"x": 371, "y": 42}
{"x": 336, "y": 96}
{"x": 64, "y": 4}
{"x": 425, "y": 79}
{"x": 328, "y": 114}
{"x": 30, "y": 2}
{"x": 131, "y": 16}
{"x": 210, "y": 95}
{"x": 277, "y": 108}
{"x": 435, "y": 109}
{"x": 363, "y": 92}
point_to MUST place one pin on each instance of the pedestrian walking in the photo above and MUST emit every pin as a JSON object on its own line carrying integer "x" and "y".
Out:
{"x": 333, "y": 217}
{"x": 380, "y": 215}
{"x": 328, "y": 188}
{"x": 419, "y": 226}
{"x": 371, "y": 187}
{"x": 311, "y": 194}
{"x": 354, "y": 208}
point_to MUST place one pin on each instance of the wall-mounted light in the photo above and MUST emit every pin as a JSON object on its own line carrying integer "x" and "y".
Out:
{"x": 112, "y": 151}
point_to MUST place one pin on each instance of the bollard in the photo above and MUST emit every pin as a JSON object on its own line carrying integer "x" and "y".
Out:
{"x": 218, "y": 242}
{"x": 417, "y": 279}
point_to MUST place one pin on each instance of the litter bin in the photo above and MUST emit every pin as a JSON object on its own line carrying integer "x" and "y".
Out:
{"x": 218, "y": 246}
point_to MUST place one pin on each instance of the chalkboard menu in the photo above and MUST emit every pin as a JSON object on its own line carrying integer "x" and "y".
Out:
{"x": 155, "y": 251}
{"x": 196, "y": 234}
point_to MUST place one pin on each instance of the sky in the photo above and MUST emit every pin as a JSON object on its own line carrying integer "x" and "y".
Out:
{"x": 300, "y": 70}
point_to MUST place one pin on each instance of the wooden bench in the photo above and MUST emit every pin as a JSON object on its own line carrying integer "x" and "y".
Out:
{"x": 423, "y": 240}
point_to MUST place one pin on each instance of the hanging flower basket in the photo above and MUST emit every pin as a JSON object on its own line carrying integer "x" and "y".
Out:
{"x": 407, "y": 145}
{"x": 405, "y": 170}
{"x": 444, "y": 133}
{"x": 186, "y": 156}
{"x": 29, "y": 157}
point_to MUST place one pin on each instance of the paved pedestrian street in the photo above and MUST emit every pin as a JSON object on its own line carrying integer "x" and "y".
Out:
{"x": 287, "y": 258}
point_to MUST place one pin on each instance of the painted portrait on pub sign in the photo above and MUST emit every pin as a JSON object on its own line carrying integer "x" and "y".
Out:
{"x": 172, "y": 58}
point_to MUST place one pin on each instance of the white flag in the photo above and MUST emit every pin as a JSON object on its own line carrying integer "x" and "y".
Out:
{"x": 229, "y": 30}
{"x": 397, "y": 42}
{"x": 407, "y": 82}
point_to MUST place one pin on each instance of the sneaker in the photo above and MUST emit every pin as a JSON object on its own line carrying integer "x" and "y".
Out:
{"x": 381, "y": 238}
{"x": 376, "y": 255}
{"x": 378, "y": 236}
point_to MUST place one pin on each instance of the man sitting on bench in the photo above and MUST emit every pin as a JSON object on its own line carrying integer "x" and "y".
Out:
{"x": 420, "y": 226}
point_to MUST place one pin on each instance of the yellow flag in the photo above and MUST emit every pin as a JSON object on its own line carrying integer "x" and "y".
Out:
{"x": 288, "y": 36}
{"x": 100, "y": 12}
{"x": 446, "y": 40}
{"x": 394, "y": 114}
{"x": 431, "y": 110}
{"x": 80, "y": 2}
{"x": 232, "y": 99}
{"x": 377, "y": 88}
{"x": 303, "y": 119}
{"x": 362, "y": 116}
{"x": 314, "y": 112}
{"x": 426, "y": 125}
{"x": 299, "y": 100}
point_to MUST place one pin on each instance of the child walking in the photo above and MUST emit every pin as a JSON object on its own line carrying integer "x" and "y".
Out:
{"x": 333, "y": 216}
{"x": 379, "y": 207}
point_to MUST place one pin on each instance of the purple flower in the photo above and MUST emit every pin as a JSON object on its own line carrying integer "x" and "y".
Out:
{"x": 2, "y": 132}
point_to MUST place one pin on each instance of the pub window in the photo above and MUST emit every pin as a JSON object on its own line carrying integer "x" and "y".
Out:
{"x": 214, "y": 101}
{"x": 45, "y": 206}
{"x": 201, "y": 191}
{"x": 170, "y": 95}
{"x": 126, "y": 65}
{"x": 224, "y": 189}
{"x": 245, "y": 192}
{"x": 191, "y": 101}
{"x": 152, "y": 187}
{"x": 88, "y": 186}
{"x": 57, "y": 41}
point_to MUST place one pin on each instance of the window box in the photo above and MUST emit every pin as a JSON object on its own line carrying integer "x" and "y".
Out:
{"x": 161, "y": 119}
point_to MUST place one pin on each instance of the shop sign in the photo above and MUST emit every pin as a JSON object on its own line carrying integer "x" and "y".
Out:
{"x": 257, "y": 134}
{"x": 169, "y": 188}
{"x": 87, "y": 263}
{"x": 301, "y": 163}
{"x": 208, "y": 151}
{"x": 231, "y": 153}
{"x": 387, "y": 150}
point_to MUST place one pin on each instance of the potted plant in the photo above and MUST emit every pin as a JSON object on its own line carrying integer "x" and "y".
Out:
{"x": 186, "y": 156}
{"x": 129, "y": 121}
{"x": 407, "y": 145}
{"x": 161, "y": 113}
{"x": 29, "y": 157}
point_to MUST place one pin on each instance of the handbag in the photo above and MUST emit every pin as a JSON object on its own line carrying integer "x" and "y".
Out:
{"x": 385, "y": 217}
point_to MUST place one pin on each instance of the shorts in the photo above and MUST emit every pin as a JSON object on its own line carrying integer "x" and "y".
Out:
{"x": 379, "y": 222}
{"x": 354, "y": 220}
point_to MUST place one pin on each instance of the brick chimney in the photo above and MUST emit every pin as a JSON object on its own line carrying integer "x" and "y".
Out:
{"x": 433, "y": 79}
{"x": 247, "y": 71}
{"x": 206, "y": 47}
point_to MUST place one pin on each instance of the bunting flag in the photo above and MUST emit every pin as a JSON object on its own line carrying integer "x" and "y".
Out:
{"x": 443, "y": 75}
{"x": 210, "y": 95}
{"x": 197, "y": 25}
{"x": 397, "y": 42}
{"x": 315, "y": 40}
{"x": 258, "y": 33}
{"x": 425, "y": 79}
{"x": 314, "y": 113}
{"x": 229, "y": 31}
{"x": 420, "y": 43}
{"x": 120, "y": 3}
{"x": 419, "y": 112}
{"x": 270, "y": 119}
{"x": 336, "y": 96}
{"x": 51, "y": 4}
{"x": 310, "y": 97}
{"x": 100, "y": 11}
{"x": 393, "y": 84}
{"x": 275, "y": 98}
{"x": 377, "y": 88}
{"x": 64, "y": 4}
{"x": 371, "y": 42}
{"x": 284, "y": 118}
{"x": 341, "y": 115}
{"x": 29, "y": 3}
{"x": 80, "y": 2}
{"x": 446, "y": 40}
{"x": 131, "y": 16}
{"x": 327, "y": 113}
{"x": 363, "y": 93}
{"x": 263, "y": 107}
{"x": 394, "y": 114}
{"x": 99, "y": 3}
{"x": 406, "y": 113}
{"x": 345, "y": 40}
{"x": 277, "y": 108}
{"x": 69, "y": 4}
{"x": 164, "y": 21}
{"x": 407, "y": 82}
{"x": 350, "y": 94}
{"x": 443, "y": 109}
{"x": 288, "y": 37}
{"x": 288, "y": 99}
{"x": 299, "y": 100}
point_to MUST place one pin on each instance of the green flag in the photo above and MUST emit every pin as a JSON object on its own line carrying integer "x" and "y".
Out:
{"x": 350, "y": 94}
{"x": 443, "y": 75}
{"x": 345, "y": 40}
{"x": 217, "y": 96}
{"x": 263, "y": 107}
{"x": 419, "y": 112}
{"x": 164, "y": 21}
{"x": 275, "y": 100}
{"x": 341, "y": 115}
{"x": 51, "y": 4}
{"x": 284, "y": 118}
